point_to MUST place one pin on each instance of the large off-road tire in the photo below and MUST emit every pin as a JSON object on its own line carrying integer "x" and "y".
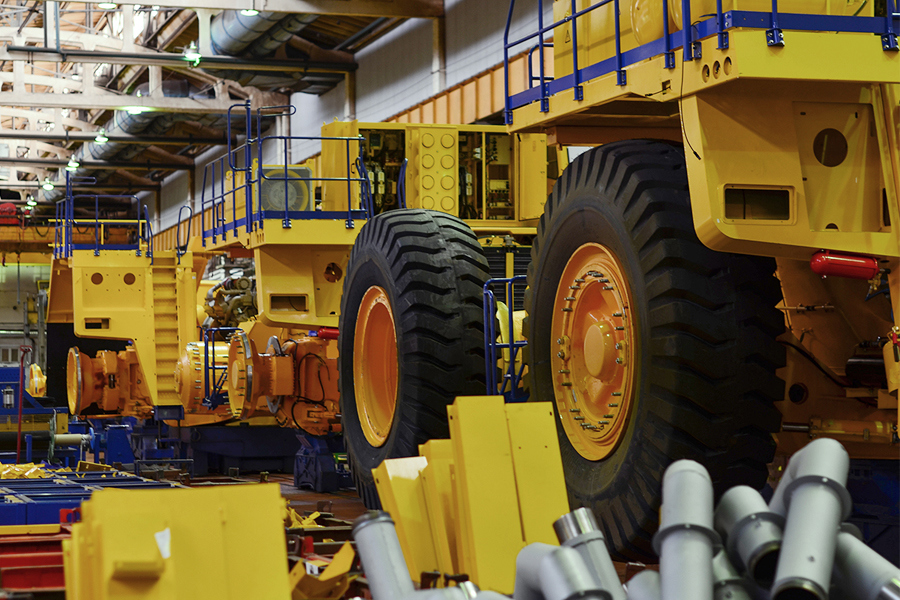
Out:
{"x": 411, "y": 335}
{"x": 652, "y": 347}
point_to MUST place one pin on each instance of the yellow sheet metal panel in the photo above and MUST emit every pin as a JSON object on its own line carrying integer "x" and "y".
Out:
{"x": 530, "y": 190}
{"x": 830, "y": 202}
{"x": 538, "y": 465}
{"x": 296, "y": 284}
{"x": 486, "y": 485}
{"x": 402, "y": 495}
{"x": 438, "y": 486}
{"x": 218, "y": 543}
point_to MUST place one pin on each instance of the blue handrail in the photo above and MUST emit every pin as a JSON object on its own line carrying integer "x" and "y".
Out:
{"x": 148, "y": 231}
{"x": 65, "y": 224}
{"x": 219, "y": 186}
{"x": 512, "y": 377}
{"x": 181, "y": 250}
{"x": 540, "y": 88}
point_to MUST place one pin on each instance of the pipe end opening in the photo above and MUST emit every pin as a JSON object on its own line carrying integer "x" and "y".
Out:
{"x": 763, "y": 569}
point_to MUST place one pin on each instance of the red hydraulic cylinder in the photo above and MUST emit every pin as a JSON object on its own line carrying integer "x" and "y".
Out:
{"x": 328, "y": 333}
{"x": 835, "y": 264}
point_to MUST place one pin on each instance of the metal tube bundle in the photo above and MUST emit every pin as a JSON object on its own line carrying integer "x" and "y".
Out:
{"x": 792, "y": 549}
{"x": 545, "y": 572}
{"x": 579, "y": 530}
{"x": 752, "y": 531}
{"x": 686, "y": 541}
{"x": 385, "y": 568}
{"x": 814, "y": 501}
{"x": 860, "y": 573}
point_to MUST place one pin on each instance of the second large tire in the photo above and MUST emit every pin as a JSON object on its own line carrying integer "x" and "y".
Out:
{"x": 702, "y": 352}
{"x": 428, "y": 268}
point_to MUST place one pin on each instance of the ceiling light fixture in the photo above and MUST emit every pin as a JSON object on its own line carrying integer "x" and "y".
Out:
{"x": 250, "y": 12}
{"x": 73, "y": 165}
{"x": 101, "y": 137}
{"x": 135, "y": 110}
{"x": 107, "y": 5}
{"x": 47, "y": 185}
{"x": 30, "y": 201}
{"x": 191, "y": 53}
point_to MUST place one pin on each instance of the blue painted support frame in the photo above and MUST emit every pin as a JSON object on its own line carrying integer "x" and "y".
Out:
{"x": 491, "y": 345}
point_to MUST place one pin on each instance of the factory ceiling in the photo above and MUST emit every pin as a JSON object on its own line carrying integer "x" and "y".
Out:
{"x": 128, "y": 94}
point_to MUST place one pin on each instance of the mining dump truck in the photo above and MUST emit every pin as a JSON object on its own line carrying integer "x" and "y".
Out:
{"x": 720, "y": 272}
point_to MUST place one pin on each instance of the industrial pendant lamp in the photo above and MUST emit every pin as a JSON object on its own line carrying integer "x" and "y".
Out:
{"x": 47, "y": 185}
{"x": 101, "y": 137}
{"x": 250, "y": 12}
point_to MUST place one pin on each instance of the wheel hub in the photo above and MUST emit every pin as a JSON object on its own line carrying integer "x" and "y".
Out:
{"x": 592, "y": 365}
{"x": 375, "y": 366}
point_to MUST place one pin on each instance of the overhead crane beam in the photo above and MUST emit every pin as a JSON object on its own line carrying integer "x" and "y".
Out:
{"x": 115, "y": 102}
{"x": 171, "y": 60}
{"x": 354, "y": 8}
{"x": 101, "y": 165}
{"x": 147, "y": 140}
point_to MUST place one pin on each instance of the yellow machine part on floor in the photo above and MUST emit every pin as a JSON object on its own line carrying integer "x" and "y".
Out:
{"x": 470, "y": 503}
{"x": 217, "y": 543}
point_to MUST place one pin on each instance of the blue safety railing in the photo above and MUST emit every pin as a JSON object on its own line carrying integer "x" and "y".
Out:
{"x": 214, "y": 374}
{"x": 181, "y": 249}
{"x": 139, "y": 230}
{"x": 692, "y": 31}
{"x": 509, "y": 385}
{"x": 223, "y": 189}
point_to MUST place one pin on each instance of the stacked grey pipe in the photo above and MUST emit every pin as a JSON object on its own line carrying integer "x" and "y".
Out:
{"x": 794, "y": 548}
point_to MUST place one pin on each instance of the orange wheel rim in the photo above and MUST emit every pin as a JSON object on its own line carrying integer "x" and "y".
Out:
{"x": 593, "y": 351}
{"x": 375, "y": 370}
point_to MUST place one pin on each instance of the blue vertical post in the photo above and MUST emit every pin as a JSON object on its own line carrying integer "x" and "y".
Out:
{"x": 578, "y": 89}
{"x": 686, "y": 33}
{"x": 889, "y": 39}
{"x": 720, "y": 26}
{"x": 349, "y": 223}
{"x": 248, "y": 166}
{"x": 28, "y": 448}
{"x": 774, "y": 37}
{"x": 669, "y": 56}
{"x": 97, "y": 226}
{"x": 203, "y": 210}
{"x": 621, "y": 77}
{"x": 507, "y": 114}
{"x": 287, "y": 217}
{"x": 545, "y": 87}
{"x": 487, "y": 304}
